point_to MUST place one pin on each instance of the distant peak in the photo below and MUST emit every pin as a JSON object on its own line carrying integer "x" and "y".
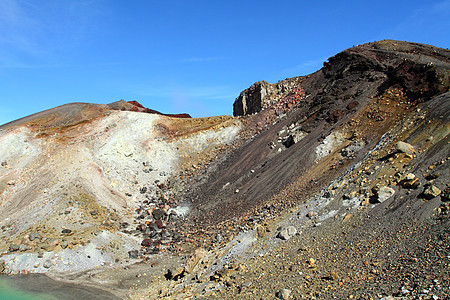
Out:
{"x": 136, "y": 106}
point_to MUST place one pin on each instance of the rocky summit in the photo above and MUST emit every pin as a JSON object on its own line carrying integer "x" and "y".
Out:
{"x": 327, "y": 186}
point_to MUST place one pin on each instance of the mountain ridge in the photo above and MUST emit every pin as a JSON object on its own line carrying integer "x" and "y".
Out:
{"x": 311, "y": 169}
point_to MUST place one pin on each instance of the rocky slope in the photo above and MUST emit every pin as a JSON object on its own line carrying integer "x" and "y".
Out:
{"x": 331, "y": 185}
{"x": 74, "y": 181}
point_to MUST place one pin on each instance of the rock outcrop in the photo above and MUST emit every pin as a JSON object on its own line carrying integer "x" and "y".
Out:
{"x": 262, "y": 95}
{"x": 136, "y": 106}
{"x": 385, "y": 63}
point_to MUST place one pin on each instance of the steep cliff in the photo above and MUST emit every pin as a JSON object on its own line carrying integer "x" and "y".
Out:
{"x": 262, "y": 95}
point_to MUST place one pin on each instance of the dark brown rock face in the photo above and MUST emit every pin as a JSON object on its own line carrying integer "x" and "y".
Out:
{"x": 420, "y": 71}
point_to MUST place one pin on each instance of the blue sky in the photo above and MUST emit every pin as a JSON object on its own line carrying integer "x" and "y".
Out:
{"x": 185, "y": 56}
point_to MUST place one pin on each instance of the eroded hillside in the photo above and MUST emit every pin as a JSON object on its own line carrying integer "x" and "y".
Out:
{"x": 329, "y": 185}
{"x": 75, "y": 177}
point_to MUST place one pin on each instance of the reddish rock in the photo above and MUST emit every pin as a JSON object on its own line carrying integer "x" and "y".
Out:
{"x": 150, "y": 242}
{"x": 160, "y": 224}
{"x": 182, "y": 116}
{"x": 135, "y": 103}
{"x": 335, "y": 115}
{"x": 352, "y": 105}
{"x": 136, "y": 106}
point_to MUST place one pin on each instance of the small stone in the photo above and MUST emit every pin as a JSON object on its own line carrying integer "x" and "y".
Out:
{"x": 310, "y": 214}
{"x": 405, "y": 291}
{"x": 148, "y": 242}
{"x": 431, "y": 191}
{"x": 66, "y": 231}
{"x": 445, "y": 195}
{"x": 333, "y": 275}
{"x": 13, "y": 247}
{"x": 384, "y": 193}
{"x": 352, "y": 105}
{"x": 283, "y": 294}
{"x": 142, "y": 227}
{"x": 329, "y": 194}
{"x": 347, "y": 217}
{"x": 147, "y": 169}
{"x": 410, "y": 182}
{"x": 410, "y": 176}
{"x": 287, "y": 232}
{"x": 260, "y": 231}
{"x": 158, "y": 214}
{"x": 23, "y": 247}
{"x": 175, "y": 273}
{"x": 64, "y": 244}
{"x": 34, "y": 235}
{"x": 405, "y": 148}
{"x": 219, "y": 238}
{"x": 199, "y": 253}
{"x": 133, "y": 254}
{"x": 160, "y": 224}
{"x": 165, "y": 234}
{"x": 47, "y": 264}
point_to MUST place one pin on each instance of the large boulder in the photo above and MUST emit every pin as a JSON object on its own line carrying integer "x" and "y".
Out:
{"x": 405, "y": 148}
{"x": 287, "y": 232}
{"x": 384, "y": 193}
